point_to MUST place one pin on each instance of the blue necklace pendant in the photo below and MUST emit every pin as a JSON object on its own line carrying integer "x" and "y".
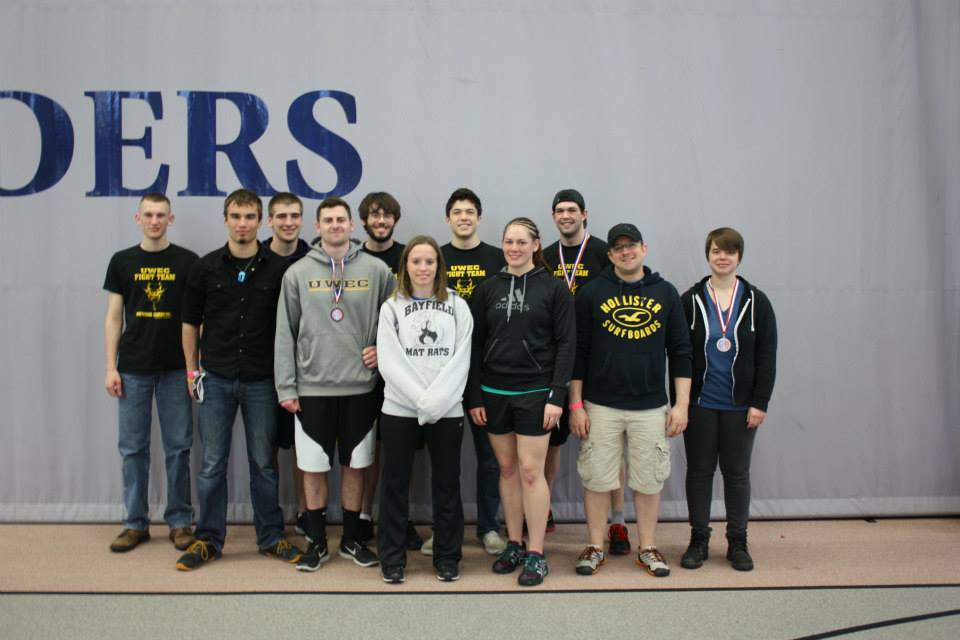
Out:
{"x": 241, "y": 276}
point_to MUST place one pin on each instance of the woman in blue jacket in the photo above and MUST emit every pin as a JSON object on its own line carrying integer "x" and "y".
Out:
{"x": 734, "y": 335}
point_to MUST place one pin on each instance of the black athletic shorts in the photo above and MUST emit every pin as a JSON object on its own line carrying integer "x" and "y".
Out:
{"x": 328, "y": 423}
{"x": 521, "y": 414}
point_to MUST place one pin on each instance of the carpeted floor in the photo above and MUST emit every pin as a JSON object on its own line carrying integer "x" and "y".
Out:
{"x": 788, "y": 554}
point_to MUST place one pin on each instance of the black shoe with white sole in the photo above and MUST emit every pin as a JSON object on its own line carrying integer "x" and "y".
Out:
{"x": 315, "y": 556}
{"x": 360, "y": 555}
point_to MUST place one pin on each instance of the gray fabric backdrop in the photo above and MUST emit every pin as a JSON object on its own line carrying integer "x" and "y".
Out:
{"x": 827, "y": 132}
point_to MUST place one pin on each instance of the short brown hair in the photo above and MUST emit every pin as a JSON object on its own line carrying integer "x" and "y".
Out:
{"x": 155, "y": 196}
{"x": 405, "y": 286}
{"x": 379, "y": 200}
{"x": 284, "y": 197}
{"x": 243, "y": 197}
{"x": 330, "y": 203}
{"x": 726, "y": 239}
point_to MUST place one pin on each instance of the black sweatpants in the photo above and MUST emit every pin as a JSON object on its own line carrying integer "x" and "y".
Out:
{"x": 400, "y": 437}
{"x": 723, "y": 435}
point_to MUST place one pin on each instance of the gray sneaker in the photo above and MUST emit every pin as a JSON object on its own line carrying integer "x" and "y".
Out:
{"x": 427, "y": 548}
{"x": 590, "y": 560}
{"x": 651, "y": 560}
{"x": 493, "y": 544}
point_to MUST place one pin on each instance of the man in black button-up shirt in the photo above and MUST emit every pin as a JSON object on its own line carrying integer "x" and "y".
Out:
{"x": 232, "y": 293}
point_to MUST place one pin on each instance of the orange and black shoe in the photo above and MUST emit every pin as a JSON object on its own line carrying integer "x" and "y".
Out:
{"x": 197, "y": 555}
{"x": 283, "y": 550}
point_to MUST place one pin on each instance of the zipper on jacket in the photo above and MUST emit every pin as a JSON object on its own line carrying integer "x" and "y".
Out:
{"x": 527, "y": 349}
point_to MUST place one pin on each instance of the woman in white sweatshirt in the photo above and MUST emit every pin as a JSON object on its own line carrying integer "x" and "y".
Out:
{"x": 423, "y": 352}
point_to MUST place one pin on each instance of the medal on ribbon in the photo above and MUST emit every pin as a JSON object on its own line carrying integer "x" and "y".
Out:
{"x": 723, "y": 342}
{"x": 336, "y": 314}
{"x": 573, "y": 268}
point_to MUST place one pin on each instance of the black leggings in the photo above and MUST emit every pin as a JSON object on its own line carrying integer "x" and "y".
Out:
{"x": 723, "y": 435}
{"x": 399, "y": 437}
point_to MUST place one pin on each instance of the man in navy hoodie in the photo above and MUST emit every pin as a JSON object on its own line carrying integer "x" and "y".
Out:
{"x": 629, "y": 324}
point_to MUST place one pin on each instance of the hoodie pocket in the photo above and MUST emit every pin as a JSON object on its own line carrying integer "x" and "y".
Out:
{"x": 628, "y": 374}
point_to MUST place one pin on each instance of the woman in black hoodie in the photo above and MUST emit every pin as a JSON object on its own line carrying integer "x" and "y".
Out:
{"x": 734, "y": 335}
{"x": 522, "y": 359}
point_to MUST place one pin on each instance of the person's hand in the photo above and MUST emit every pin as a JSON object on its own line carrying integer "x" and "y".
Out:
{"x": 579, "y": 423}
{"x": 293, "y": 405}
{"x": 113, "y": 383}
{"x": 369, "y": 356}
{"x": 755, "y": 417}
{"x": 551, "y": 416}
{"x": 479, "y": 416}
{"x": 676, "y": 420}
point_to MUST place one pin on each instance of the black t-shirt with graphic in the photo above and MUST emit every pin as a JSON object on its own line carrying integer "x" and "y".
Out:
{"x": 152, "y": 285}
{"x": 391, "y": 256}
{"x": 592, "y": 263}
{"x": 466, "y": 268}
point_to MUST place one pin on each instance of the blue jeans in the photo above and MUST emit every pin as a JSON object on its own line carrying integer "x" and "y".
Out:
{"x": 176, "y": 430}
{"x": 257, "y": 402}
{"x": 488, "y": 480}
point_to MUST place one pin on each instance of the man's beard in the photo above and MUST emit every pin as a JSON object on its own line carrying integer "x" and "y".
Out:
{"x": 369, "y": 231}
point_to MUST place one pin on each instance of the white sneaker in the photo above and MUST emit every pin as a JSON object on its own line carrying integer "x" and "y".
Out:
{"x": 427, "y": 548}
{"x": 493, "y": 543}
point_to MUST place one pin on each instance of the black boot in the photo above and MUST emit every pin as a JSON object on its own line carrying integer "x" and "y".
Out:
{"x": 699, "y": 549}
{"x": 737, "y": 552}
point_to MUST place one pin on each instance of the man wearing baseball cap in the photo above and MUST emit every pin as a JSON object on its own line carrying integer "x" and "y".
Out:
{"x": 576, "y": 258}
{"x": 626, "y": 320}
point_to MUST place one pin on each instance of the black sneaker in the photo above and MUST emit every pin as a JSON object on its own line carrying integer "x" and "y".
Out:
{"x": 698, "y": 551}
{"x": 448, "y": 571}
{"x": 283, "y": 550}
{"x": 551, "y": 525}
{"x": 534, "y": 569}
{"x": 365, "y": 532}
{"x": 737, "y": 553}
{"x": 198, "y": 554}
{"x": 359, "y": 553}
{"x": 313, "y": 557}
{"x": 393, "y": 574}
{"x": 300, "y": 525}
{"x": 414, "y": 541}
{"x": 511, "y": 558}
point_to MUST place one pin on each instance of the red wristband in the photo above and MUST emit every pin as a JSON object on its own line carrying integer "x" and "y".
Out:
{"x": 575, "y": 406}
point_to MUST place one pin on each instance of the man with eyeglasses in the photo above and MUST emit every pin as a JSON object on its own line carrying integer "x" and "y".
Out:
{"x": 232, "y": 293}
{"x": 380, "y": 213}
{"x": 627, "y": 319}
{"x": 577, "y": 258}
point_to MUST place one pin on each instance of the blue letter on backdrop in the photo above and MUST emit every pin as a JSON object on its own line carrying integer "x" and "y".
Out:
{"x": 326, "y": 144}
{"x": 108, "y": 154}
{"x": 56, "y": 142}
{"x": 202, "y": 144}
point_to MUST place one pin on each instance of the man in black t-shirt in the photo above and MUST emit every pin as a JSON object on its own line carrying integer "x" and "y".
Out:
{"x": 145, "y": 285}
{"x": 379, "y": 211}
{"x": 577, "y": 258}
{"x": 285, "y": 219}
{"x": 232, "y": 293}
{"x": 469, "y": 262}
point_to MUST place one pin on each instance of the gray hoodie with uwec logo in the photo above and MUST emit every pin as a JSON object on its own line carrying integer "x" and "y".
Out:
{"x": 315, "y": 354}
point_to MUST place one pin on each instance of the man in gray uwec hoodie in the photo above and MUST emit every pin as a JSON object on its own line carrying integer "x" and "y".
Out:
{"x": 325, "y": 372}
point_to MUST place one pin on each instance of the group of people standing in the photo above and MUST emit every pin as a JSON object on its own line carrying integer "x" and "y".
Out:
{"x": 370, "y": 350}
